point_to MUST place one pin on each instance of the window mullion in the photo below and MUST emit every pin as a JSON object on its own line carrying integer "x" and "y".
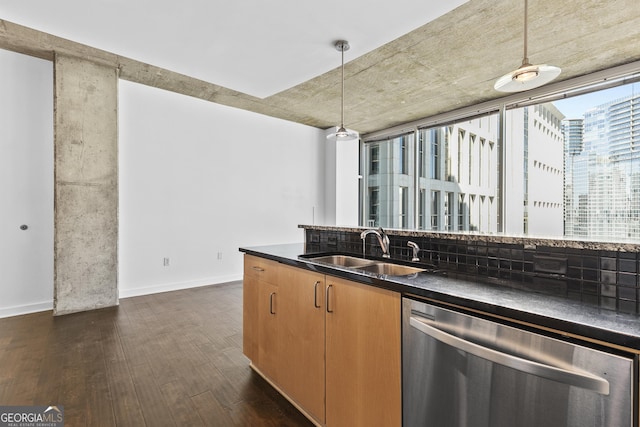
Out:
{"x": 416, "y": 179}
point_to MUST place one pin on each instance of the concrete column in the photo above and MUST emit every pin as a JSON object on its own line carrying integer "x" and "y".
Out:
{"x": 86, "y": 185}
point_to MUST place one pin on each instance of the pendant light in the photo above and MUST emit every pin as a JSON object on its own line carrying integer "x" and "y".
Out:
{"x": 527, "y": 76}
{"x": 342, "y": 134}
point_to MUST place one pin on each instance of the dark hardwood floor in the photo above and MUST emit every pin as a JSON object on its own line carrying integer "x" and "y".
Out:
{"x": 170, "y": 359}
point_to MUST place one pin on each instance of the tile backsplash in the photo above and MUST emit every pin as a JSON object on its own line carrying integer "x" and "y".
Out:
{"x": 606, "y": 278}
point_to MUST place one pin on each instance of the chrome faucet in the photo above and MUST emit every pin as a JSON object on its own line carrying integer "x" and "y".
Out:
{"x": 382, "y": 237}
{"x": 416, "y": 249}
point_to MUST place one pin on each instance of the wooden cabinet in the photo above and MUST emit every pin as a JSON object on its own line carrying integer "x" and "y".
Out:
{"x": 302, "y": 338}
{"x": 259, "y": 299}
{"x": 337, "y": 359}
{"x": 363, "y": 348}
{"x": 269, "y": 348}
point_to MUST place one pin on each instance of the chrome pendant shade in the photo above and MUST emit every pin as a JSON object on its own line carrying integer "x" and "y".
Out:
{"x": 342, "y": 134}
{"x": 527, "y": 76}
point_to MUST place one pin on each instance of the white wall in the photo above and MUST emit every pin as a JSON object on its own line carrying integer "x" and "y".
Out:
{"x": 342, "y": 182}
{"x": 26, "y": 184}
{"x": 198, "y": 179}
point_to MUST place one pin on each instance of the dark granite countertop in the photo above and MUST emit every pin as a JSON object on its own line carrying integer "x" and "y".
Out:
{"x": 571, "y": 317}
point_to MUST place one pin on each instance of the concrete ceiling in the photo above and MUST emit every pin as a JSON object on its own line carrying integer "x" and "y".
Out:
{"x": 404, "y": 64}
{"x": 253, "y": 46}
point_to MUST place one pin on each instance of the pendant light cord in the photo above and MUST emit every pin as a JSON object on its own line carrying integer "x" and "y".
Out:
{"x": 342, "y": 97}
{"x": 341, "y": 132}
{"x": 525, "y": 60}
{"x": 526, "y": 76}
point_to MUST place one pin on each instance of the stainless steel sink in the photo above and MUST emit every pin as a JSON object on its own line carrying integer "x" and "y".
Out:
{"x": 367, "y": 265}
{"x": 391, "y": 269}
{"x": 343, "y": 260}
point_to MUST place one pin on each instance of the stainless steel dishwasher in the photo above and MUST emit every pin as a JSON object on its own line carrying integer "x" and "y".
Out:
{"x": 465, "y": 371}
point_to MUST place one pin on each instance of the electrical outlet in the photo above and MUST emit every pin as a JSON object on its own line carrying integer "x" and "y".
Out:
{"x": 219, "y": 255}
{"x": 165, "y": 262}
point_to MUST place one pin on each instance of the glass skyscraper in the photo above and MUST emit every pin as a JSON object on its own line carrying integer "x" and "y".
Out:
{"x": 602, "y": 172}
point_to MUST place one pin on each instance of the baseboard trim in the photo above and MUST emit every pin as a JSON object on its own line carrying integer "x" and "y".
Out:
{"x": 19, "y": 310}
{"x": 176, "y": 286}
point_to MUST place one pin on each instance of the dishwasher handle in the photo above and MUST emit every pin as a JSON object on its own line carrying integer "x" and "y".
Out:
{"x": 578, "y": 379}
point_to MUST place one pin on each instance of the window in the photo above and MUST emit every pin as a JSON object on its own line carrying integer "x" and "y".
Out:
{"x": 460, "y": 153}
{"x": 472, "y": 157}
{"x": 391, "y": 166}
{"x": 374, "y": 165}
{"x": 601, "y": 166}
{"x": 435, "y": 153}
{"x": 438, "y": 158}
{"x": 422, "y": 157}
{"x": 448, "y": 211}
{"x": 482, "y": 217}
{"x": 447, "y": 154}
{"x": 374, "y": 206}
{"x": 421, "y": 209}
{"x": 403, "y": 207}
{"x": 473, "y": 213}
{"x": 481, "y": 159}
{"x": 569, "y": 167}
{"x": 461, "y": 213}
{"x": 404, "y": 156}
{"x": 435, "y": 209}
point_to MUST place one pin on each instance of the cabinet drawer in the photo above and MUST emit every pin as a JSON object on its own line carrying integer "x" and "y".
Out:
{"x": 260, "y": 268}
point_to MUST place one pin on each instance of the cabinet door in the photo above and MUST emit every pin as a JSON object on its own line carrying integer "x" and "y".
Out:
{"x": 250, "y": 286}
{"x": 363, "y": 376}
{"x": 256, "y": 270}
{"x": 269, "y": 353}
{"x": 301, "y": 311}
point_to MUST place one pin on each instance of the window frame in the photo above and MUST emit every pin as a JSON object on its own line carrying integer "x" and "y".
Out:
{"x": 616, "y": 76}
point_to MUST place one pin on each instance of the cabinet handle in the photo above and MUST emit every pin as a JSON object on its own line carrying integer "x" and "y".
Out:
{"x": 258, "y": 268}
{"x": 315, "y": 295}
{"x": 271, "y": 303}
{"x": 327, "y": 297}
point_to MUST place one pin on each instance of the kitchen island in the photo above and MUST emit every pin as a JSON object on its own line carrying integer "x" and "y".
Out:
{"x": 571, "y": 317}
{"x": 547, "y": 314}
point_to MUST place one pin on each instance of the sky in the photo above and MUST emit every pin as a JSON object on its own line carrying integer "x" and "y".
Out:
{"x": 574, "y": 108}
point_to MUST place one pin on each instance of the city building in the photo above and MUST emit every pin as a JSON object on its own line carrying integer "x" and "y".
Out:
{"x": 453, "y": 171}
{"x": 603, "y": 179}
{"x": 572, "y": 134}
